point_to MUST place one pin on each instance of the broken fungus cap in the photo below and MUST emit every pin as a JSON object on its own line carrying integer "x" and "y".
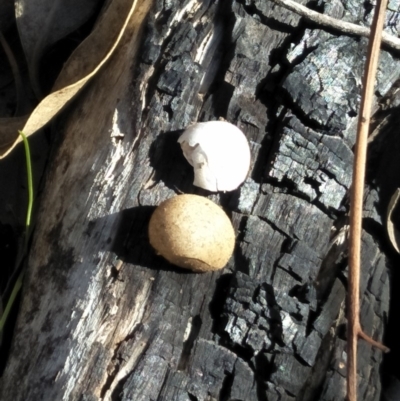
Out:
{"x": 219, "y": 153}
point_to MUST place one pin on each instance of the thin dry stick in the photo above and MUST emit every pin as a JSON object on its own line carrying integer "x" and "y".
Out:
{"x": 357, "y": 192}
{"x": 356, "y": 206}
{"x": 342, "y": 26}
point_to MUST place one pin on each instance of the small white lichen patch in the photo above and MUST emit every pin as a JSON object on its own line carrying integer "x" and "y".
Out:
{"x": 248, "y": 195}
{"x": 219, "y": 153}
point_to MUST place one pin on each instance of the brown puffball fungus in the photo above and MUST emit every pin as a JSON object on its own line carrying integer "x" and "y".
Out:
{"x": 192, "y": 232}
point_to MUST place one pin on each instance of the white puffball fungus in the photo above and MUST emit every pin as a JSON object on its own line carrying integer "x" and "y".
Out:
{"x": 219, "y": 153}
{"x": 192, "y": 232}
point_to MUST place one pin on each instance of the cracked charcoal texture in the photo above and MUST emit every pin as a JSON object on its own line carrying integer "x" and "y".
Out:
{"x": 104, "y": 318}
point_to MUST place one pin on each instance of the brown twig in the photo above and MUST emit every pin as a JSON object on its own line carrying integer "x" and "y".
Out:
{"x": 356, "y": 206}
{"x": 357, "y": 192}
{"x": 342, "y": 26}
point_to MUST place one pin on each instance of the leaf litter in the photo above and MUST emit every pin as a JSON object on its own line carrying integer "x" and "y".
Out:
{"x": 83, "y": 64}
{"x": 41, "y": 23}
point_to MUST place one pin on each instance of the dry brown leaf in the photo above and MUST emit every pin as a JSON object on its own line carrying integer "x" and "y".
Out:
{"x": 393, "y": 233}
{"x": 54, "y": 102}
{"x": 86, "y": 56}
{"x": 41, "y": 23}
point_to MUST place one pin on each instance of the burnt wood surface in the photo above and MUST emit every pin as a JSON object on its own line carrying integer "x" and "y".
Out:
{"x": 103, "y": 318}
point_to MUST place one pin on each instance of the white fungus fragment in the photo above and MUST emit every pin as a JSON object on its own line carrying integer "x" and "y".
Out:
{"x": 219, "y": 153}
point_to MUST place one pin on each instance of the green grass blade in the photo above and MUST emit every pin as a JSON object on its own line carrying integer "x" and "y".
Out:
{"x": 18, "y": 283}
{"x": 14, "y": 293}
